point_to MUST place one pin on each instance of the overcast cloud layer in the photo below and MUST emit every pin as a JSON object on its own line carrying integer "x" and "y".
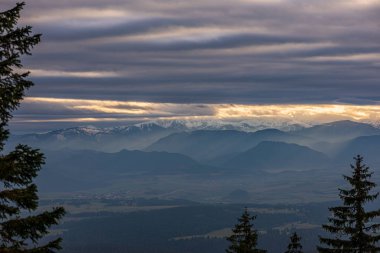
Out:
{"x": 208, "y": 51}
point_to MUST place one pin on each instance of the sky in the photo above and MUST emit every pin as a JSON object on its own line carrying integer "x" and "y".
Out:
{"x": 126, "y": 61}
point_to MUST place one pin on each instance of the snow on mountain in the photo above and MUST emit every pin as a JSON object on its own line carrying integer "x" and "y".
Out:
{"x": 84, "y": 130}
{"x": 186, "y": 125}
{"x": 245, "y": 126}
{"x": 142, "y": 135}
{"x": 111, "y": 139}
{"x": 94, "y": 131}
{"x": 176, "y": 125}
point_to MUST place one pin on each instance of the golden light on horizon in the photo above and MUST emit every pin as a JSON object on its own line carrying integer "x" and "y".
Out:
{"x": 150, "y": 110}
{"x": 315, "y": 112}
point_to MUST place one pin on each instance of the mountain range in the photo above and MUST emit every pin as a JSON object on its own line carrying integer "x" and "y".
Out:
{"x": 171, "y": 160}
{"x": 153, "y": 135}
{"x": 279, "y": 156}
{"x": 212, "y": 145}
{"x": 138, "y": 136}
{"x": 103, "y": 139}
{"x": 70, "y": 170}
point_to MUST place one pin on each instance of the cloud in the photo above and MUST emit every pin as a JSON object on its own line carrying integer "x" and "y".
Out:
{"x": 112, "y": 108}
{"x": 203, "y": 52}
{"x": 370, "y": 57}
{"x": 86, "y": 110}
{"x": 80, "y": 74}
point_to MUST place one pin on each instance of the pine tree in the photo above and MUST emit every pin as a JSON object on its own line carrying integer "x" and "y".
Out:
{"x": 295, "y": 244}
{"x": 244, "y": 237}
{"x": 20, "y": 230}
{"x": 351, "y": 224}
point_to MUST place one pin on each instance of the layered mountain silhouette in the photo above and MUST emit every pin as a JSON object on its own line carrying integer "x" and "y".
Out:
{"x": 368, "y": 146}
{"x": 338, "y": 131}
{"x": 210, "y": 142}
{"x": 209, "y": 145}
{"x": 69, "y": 170}
{"x": 102, "y": 139}
{"x": 278, "y": 156}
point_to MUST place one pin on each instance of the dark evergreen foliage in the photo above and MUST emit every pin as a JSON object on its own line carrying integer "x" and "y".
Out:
{"x": 295, "y": 244}
{"x": 244, "y": 236}
{"x": 351, "y": 225}
{"x": 18, "y": 194}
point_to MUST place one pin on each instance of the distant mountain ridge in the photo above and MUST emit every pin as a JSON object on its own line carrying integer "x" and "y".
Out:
{"x": 339, "y": 130}
{"x": 278, "y": 156}
{"x": 70, "y": 170}
{"x": 368, "y": 146}
{"x": 137, "y": 136}
{"x": 208, "y": 145}
{"x": 243, "y": 126}
{"x": 111, "y": 139}
{"x": 151, "y": 136}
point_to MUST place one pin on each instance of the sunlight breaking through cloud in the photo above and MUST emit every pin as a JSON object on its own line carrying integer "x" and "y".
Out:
{"x": 110, "y": 110}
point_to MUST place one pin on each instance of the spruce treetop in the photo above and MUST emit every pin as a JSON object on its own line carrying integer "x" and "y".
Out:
{"x": 244, "y": 236}
{"x": 295, "y": 244}
{"x": 350, "y": 224}
{"x": 18, "y": 194}
{"x": 14, "y": 42}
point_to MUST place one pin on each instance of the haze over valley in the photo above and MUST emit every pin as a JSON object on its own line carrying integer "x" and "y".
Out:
{"x": 204, "y": 162}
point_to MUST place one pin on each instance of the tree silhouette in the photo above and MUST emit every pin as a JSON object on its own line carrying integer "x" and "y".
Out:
{"x": 20, "y": 231}
{"x": 350, "y": 224}
{"x": 295, "y": 244}
{"x": 244, "y": 236}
